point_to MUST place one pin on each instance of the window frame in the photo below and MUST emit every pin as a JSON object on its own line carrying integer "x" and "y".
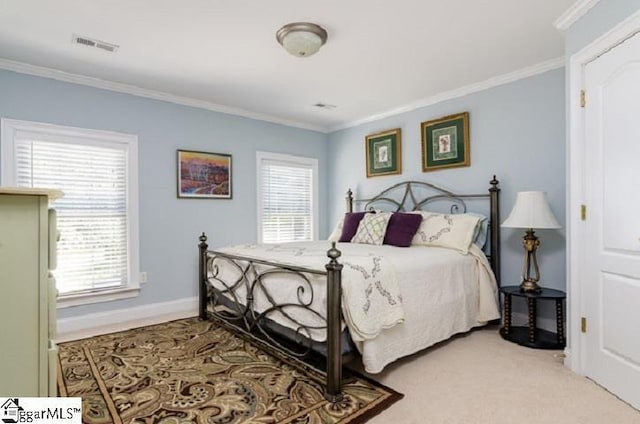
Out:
{"x": 296, "y": 161}
{"x": 12, "y": 129}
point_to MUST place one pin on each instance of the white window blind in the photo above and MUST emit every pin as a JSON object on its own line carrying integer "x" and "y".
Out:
{"x": 287, "y": 199}
{"x": 96, "y": 252}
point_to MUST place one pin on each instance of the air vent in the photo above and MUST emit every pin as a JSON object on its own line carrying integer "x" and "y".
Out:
{"x": 92, "y": 42}
{"x": 325, "y": 106}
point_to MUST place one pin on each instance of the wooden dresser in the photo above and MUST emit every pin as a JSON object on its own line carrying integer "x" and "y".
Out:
{"x": 28, "y": 235}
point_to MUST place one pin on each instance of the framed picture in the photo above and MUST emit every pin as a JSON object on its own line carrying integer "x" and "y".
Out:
{"x": 384, "y": 153}
{"x": 204, "y": 175}
{"x": 445, "y": 142}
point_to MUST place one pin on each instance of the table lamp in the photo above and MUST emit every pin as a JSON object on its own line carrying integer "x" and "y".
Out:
{"x": 531, "y": 211}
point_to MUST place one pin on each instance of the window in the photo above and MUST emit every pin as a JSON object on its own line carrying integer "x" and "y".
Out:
{"x": 287, "y": 198}
{"x": 97, "y": 217}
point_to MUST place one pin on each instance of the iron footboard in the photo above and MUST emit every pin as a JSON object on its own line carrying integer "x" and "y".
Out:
{"x": 232, "y": 301}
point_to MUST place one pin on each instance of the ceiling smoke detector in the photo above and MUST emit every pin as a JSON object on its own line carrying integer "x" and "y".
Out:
{"x": 92, "y": 42}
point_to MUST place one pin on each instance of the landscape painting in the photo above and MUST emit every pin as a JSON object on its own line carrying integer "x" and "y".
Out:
{"x": 204, "y": 175}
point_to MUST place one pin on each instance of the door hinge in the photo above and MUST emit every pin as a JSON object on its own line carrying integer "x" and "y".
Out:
{"x": 583, "y": 324}
{"x": 583, "y": 98}
{"x": 583, "y": 212}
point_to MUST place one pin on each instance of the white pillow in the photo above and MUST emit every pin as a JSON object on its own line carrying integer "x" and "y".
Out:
{"x": 372, "y": 228}
{"x": 455, "y": 231}
{"x": 337, "y": 232}
{"x": 482, "y": 230}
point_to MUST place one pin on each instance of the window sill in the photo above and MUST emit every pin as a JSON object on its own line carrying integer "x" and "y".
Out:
{"x": 67, "y": 301}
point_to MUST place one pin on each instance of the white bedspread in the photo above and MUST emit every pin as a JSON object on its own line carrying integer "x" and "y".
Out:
{"x": 396, "y": 301}
{"x": 371, "y": 300}
{"x": 444, "y": 292}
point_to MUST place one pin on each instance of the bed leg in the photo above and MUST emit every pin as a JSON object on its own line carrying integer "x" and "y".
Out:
{"x": 333, "y": 391}
{"x": 202, "y": 248}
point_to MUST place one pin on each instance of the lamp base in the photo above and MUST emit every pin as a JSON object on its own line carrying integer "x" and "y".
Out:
{"x": 530, "y": 286}
{"x": 530, "y": 279}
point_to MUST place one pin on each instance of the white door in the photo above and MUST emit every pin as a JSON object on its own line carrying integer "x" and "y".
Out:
{"x": 611, "y": 291}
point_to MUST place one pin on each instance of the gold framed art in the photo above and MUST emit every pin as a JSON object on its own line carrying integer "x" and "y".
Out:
{"x": 384, "y": 153}
{"x": 445, "y": 142}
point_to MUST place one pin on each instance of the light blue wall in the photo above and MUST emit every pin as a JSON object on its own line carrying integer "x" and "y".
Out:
{"x": 517, "y": 132}
{"x": 169, "y": 227}
{"x": 600, "y": 19}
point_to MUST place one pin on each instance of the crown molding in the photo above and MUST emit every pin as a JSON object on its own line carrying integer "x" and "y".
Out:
{"x": 462, "y": 91}
{"x": 40, "y": 71}
{"x": 575, "y": 12}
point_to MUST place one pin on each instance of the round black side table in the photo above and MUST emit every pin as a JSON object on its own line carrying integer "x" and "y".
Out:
{"x": 532, "y": 336}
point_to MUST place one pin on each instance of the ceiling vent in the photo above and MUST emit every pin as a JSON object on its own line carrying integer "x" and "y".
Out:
{"x": 92, "y": 42}
{"x": 325, "y": 106}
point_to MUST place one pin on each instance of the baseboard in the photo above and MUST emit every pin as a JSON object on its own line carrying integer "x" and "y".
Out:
{"x": 90, "y": 325}
{"x": 568, "y": 359}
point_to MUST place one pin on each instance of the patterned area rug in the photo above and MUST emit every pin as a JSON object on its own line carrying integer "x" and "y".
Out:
{"x": 192, "y": 371}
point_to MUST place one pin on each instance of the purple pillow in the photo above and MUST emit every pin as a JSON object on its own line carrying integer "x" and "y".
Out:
{"x": 350, "y": 225}
{"x": 401, "y": 229}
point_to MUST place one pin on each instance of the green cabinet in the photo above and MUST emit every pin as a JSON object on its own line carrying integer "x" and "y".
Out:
{"x": 27, "y": 304}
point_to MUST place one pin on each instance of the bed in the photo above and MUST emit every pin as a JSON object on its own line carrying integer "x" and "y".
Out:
{"x": 382, "y": 302}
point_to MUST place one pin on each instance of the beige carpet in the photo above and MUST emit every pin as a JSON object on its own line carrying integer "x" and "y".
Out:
{"x": 479, "y": 378}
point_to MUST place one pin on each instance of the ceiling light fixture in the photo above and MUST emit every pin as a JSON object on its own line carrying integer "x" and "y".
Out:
{"x": 301, "y": 39}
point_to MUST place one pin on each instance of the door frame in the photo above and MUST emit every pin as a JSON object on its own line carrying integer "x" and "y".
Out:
{"x": 576, "y": 344}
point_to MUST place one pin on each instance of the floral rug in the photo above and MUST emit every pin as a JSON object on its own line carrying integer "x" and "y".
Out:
{"x": 192, "y": 371}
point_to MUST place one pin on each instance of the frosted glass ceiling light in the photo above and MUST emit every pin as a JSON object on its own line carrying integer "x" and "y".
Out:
{"x": 301, "y": 39}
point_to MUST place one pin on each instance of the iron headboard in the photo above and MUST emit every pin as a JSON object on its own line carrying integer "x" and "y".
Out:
{"x": 418, "y": 195}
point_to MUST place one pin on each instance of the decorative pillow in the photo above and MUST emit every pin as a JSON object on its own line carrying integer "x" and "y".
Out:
{"x": 372, "y": 228}
{"x": 482, "y": 229}
{"x": 401, "y": 229}
{"x": 446, "y": 230}
{"x": 337, "y": 232}
{"x": 350, "y": 225}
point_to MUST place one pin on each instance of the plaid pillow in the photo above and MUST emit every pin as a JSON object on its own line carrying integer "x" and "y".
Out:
{"x": 372, "y": 228}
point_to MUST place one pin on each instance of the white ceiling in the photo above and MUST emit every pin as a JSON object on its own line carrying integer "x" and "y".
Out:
{"x": 381, "y": 55}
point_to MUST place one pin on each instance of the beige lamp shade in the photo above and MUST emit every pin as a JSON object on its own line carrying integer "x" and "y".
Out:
{"x": 531, "y": 210}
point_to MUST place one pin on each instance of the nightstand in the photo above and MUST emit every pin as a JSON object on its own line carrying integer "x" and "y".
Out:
{"x": 532, "y": 336}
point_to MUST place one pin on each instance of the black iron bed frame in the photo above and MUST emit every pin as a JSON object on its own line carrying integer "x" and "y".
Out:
{"x": 225, "y": 305}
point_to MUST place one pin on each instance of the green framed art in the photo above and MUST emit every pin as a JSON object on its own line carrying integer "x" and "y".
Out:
{"x": 384, "y": 153}
{"x": 445, "y": 142}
